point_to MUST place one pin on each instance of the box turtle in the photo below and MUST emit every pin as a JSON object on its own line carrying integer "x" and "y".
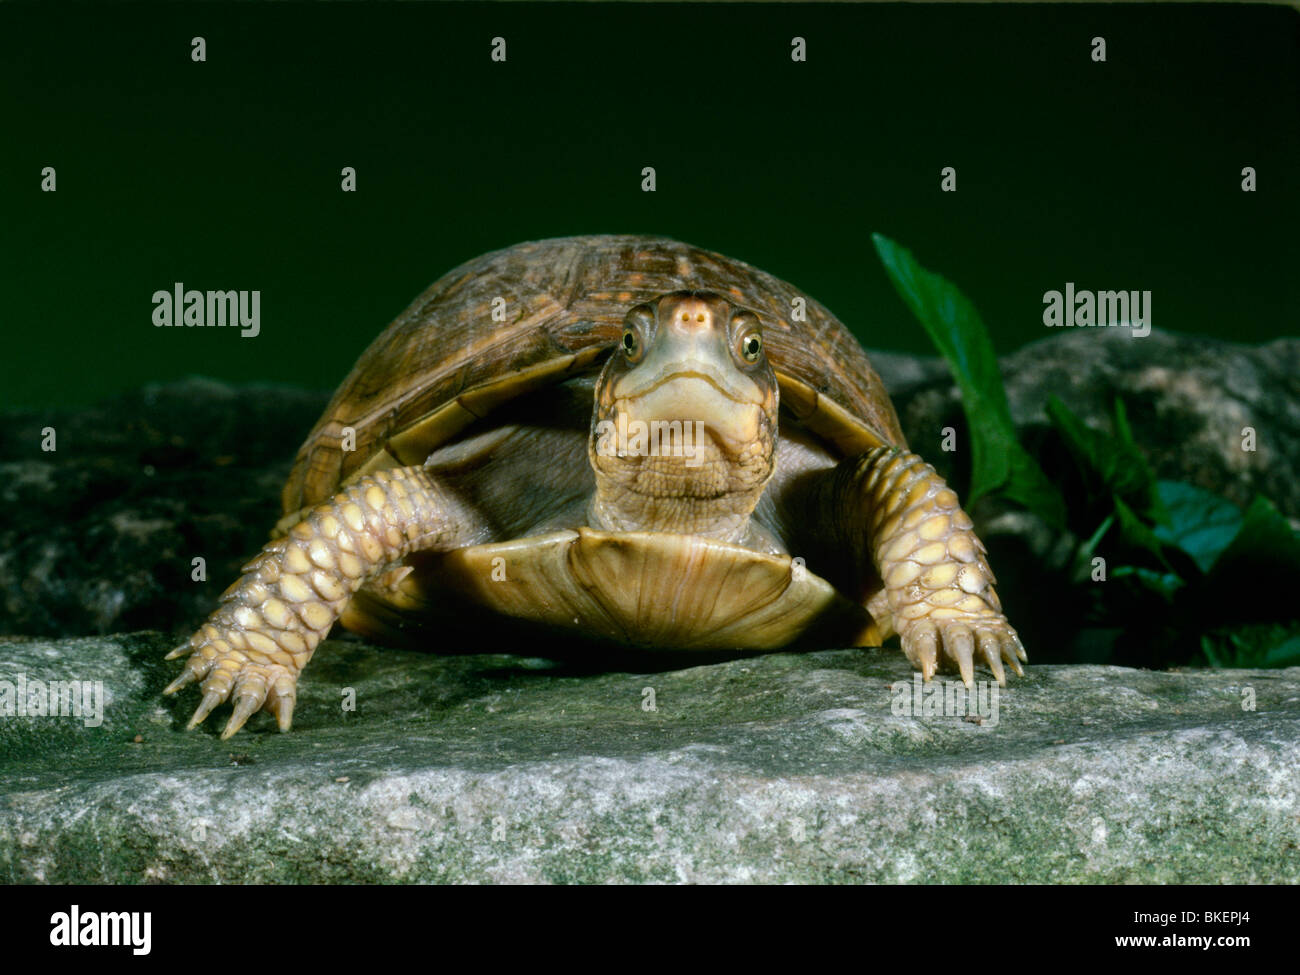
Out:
{"x": 581, "y": 434}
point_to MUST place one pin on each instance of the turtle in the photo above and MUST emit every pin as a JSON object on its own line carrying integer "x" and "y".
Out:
{"x": 627, "y": 439}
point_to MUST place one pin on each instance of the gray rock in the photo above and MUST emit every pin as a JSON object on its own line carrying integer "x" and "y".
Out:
{"x": 788, "y": 767}
{"x": 99, "y": 535}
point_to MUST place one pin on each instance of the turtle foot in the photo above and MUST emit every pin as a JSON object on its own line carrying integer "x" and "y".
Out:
{"x": 252, "y": 649}
{"x": 930, "y": 643}
{"x": 230, "y": 675}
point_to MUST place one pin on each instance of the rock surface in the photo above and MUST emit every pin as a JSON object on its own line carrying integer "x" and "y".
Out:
{"x": 99, "y": 535}
{"x": 789, "y": 767}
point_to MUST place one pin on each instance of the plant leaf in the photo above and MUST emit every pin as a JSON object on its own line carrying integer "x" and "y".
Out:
{"x": 1266, "y": 539}
{"x": 1259, "y": 645}
{"x": 1138, "y": 534}
{"x": 948, "y": 317}
{"x": 1090, "y": 546}
{"x": 1200, "y": 523}
{"x": 1109, "y": 464}
{"x": 1165, "y": 584}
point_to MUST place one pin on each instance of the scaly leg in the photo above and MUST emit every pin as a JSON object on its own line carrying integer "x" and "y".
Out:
{"x": 938, "y": 588}
{"x": 257, "y": 642}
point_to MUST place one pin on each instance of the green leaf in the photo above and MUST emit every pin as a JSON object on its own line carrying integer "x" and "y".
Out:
{"x": 1266, "y": 546}
{"x": 1109, "y": 464}
{"x": 1258, "y": 645}
{"x": 997, "y": 459}
{"x": 1163, "y": 584}
{"x": 1135, "y": 480}
{"x": 1210, "y": 647}
{"x": 1284, "y": 653}
{"x": 1138, "y": 534}
{"x": 1029, "y": 487}
{"x": 1083, "y": 443}
{"x": 1201, "y": 523}
{"x": 1087, "y": 549}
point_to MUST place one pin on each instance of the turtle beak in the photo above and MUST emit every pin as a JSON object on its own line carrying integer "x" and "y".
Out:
{"x": 689, "y": 374}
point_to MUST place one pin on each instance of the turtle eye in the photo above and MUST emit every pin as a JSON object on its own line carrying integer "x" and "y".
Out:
{"x": 640, "y": 321}
{"x": 746, "y": 337}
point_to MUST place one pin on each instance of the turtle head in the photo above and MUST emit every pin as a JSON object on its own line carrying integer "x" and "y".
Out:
{"x": 684, "y": 429}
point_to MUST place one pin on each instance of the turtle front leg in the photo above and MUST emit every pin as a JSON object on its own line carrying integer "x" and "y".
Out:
{"x": 257, "y": 642}
{"x": 937, "y": 585}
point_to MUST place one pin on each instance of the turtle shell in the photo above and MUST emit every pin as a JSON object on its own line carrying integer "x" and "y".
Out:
{"x": 445, "y": 361}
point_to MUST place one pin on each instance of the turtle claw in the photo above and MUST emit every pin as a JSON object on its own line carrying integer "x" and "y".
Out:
{"x": 210, "y": 700}
{"x": 1004, "y": 646}
{"x": 1020, "y": 652}
{"x": 180, "y": 651}
{"x": 921, "y": 645}
{"x": 245, "y": 705}
{"x": 1015, "y": 657}
{"x": 250, "y": 685}
{"x": 997, "y": 644}
{"x": 991, "y": 648}
{"x": 280, "y": 704}
{"x": 960, "y": 644}
{"x": 184, "y": 679}
{"x": 929, "y": 658}
{"x": 196, "y": 668}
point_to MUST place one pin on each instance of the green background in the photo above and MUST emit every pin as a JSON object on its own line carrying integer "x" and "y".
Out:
{"x": 225, "y": 175}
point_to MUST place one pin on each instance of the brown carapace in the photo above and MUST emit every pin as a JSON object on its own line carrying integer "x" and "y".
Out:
{"x": 624, "y": 438}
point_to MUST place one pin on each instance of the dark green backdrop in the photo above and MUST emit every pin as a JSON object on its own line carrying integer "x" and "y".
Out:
{"x": 1123, "y": 175}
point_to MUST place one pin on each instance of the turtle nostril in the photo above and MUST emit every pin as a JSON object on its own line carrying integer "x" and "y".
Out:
{"x": 693, "y": 316}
